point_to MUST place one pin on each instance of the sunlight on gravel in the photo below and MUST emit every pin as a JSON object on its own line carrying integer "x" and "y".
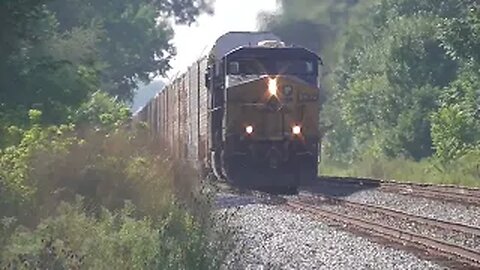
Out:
{"x": 269, "y": 237}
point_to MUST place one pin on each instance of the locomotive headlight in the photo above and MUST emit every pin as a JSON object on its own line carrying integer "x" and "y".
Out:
{"x": 296, "y": 130}
{"x": 249, "y": 129}
{"x": 272, "y": 87}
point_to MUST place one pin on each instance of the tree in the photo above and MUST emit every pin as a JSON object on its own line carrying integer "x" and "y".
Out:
{"x": 55, "y": 54}
{"x": 394, "y": 87}
{"x": 35, "y": 71}
{"x": 134, "y": 41}
{"x": 456, "y": 124}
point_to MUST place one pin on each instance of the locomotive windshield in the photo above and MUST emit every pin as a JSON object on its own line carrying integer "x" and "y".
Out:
{"x": 271, "y": 67}
{"x": 257, "y": 61}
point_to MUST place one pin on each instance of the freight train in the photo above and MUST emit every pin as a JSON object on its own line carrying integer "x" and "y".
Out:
{"x": 248, "y": 112}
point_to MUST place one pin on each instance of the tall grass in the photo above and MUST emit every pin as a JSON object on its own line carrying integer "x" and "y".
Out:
{"x": 103, "y": 201}
{"x": 464, "y": 171}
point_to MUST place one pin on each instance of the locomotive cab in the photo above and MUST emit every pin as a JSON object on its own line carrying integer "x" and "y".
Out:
{"x": 265, "y": 115}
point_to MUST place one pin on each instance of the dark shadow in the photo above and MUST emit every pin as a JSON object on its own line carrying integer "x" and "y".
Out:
{"x": 243, "y": 195}
{"x": 339, "y": 187}
{"x": 237, "y": 200}
{"x": 277, "y": 190}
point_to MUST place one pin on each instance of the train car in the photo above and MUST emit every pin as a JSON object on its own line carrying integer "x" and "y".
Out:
{"x": 248, "y": 112}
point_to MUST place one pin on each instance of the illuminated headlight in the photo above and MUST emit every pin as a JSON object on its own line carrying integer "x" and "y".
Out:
{"x": 272, "y": 87}
{"x": 296, "y": 130}
{"x": 249, "y": 129}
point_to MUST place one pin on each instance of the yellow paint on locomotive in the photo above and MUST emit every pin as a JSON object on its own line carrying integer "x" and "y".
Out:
{"x": 273, "y": 115}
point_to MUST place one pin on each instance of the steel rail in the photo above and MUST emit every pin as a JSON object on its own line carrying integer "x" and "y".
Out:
{"x": 459, "y": 254}
{"x": 457, "y": 194}
{"x": 378, "y": 181}
{"x": 443, "y": 224}
{"x": 433, "y": 193}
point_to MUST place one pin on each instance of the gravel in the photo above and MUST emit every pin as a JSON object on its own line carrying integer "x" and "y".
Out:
{"x": 270, "y": 237}
{"x": 453, "y": 212}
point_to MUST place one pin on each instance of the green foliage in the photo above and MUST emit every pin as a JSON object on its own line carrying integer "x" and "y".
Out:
{"x": 55, "y": 54}
{"x": 101, "y": 111}
{"x": 58, "y": 61}
{"x": 139, "y": 210}
{"x": 135, "y": 38}
{"x": 461, "y": 33}
{"x": 17, "y": 182}
{"x": 114, "y": 240}
{"x": 456, "y": 125}
{"x": 464, "y": 171}
{"x": 33, "y": 71}
{"x": 393, "y": 86}
{"x": 99, "y": 167}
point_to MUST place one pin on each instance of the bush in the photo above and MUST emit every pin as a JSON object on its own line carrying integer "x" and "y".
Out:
{"x": 18, "y": 181}
{"x": 115, "y": 240}
{"x": 456, "y": 125}
{"x": 139, "y": 209}
{"x": 101, "y": 111}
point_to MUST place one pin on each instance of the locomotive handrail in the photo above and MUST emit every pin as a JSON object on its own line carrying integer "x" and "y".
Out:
{"x": 216, "y": 109}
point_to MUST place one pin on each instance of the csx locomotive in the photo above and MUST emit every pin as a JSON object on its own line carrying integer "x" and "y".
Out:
{"x": 248, "y": 112}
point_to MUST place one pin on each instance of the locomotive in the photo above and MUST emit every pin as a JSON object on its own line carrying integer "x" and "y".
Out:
{"x": 248, "y": 112}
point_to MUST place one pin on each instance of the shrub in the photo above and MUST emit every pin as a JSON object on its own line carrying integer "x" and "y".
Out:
{"x": 139, "y": 209}
{"x": 101, "y": 111}
{"x": 115, "y": 240}
{"x": 456, "y": 125}
{"x": 18, "y": 182}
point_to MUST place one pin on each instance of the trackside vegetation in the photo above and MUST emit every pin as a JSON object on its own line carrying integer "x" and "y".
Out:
{"x": 402, "y": 81}
{"x": 102, "y": 198}
{"x": 80, "y": 186}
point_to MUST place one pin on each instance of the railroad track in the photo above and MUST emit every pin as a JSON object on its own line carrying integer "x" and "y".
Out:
{"x": 457, "y": 195}
{"x": 450, "y": 193}
{"x": 452, "y": 254}
{"x": 452, "y": 244}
